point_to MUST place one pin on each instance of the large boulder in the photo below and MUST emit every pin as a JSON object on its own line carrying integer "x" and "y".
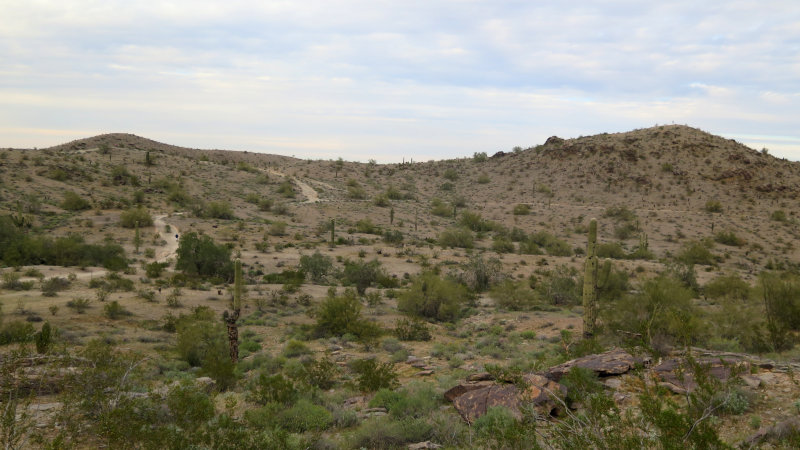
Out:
{"x": 472, "y": 400}
{"x": 612, "y": 362}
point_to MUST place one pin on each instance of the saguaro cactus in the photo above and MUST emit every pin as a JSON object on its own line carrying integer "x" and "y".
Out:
{"x": 590, "y": 283}
{"x": 231, "y": 319}
{"x": 333, "y": 232}
{"x": 391, "y": 216}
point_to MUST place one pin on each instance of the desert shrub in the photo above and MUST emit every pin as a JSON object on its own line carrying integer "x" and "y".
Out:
{"x": 51, "y": 286}
{"x": 480, "y": 157}
{"x": 317, "y": 266}
{"x": 321, "y": 373}
{"x": 483, "y": 179}
{"x": 713, "y": 206}
{"x": 203, "y": 341}
{"x": 480, "y": 274}
{"x": 502, "y": 244}
{"x": 198, "y": 255}
{"x": 337, "y": 316}
{"x": 155, "y": 269}
{"x": 516, "y": 296}
{"x": 456, "y": 237}
{"x": 277, "y": 228}
{"x": 450, "y": 174}
{"x": 356, "y": 192}
{"x": 440, "y": 208}
{"x": 304, "y": 416}
{"x": 16, "y": 331}
{"x": 361, "y": 274}
{"x": 286, "y": 189}
{"x": 44, "y": 338}
{"x": 729, "y": 238}
{"x": 273, "y": 389}
{"x": 729, "y": 286}
{"x": 382, "y": 201}
{"x": 372, "y": 375}
{"x": 386, "y": 433}
{"x": 610, "y": 250}
{"x": 367, "y": 226}
{"x": 265, "y": 204}
{"x": 218, "y": 210}
{"x": 115, "y": 311}
{"x": 295, "y": 348}
{"x": 553, "y": 245}
{"x": 561, "y": 287}
{"x": 393, "y": 193}
{"x": 414, "y": 400}
{"x": 522, "y": 209}
{"x": 662, "y": 313}
{"x": 393, "y": 236}
{"x": 778, "y": 215}
{"x": 696, "y": 252}
{"x": 499, "y": 428}
{"x": 74, "y": 202}
{"x": 134, "y": 217}
{"x": 412, "y": 329}
{"x": 434, "y": 297}
{"x": 620, "y": 214}
{"x": 79, "y": 304}
{"x": 781, "y": 296}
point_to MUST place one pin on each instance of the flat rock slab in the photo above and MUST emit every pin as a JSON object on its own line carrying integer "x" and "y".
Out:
{"x": 539, "y": 392}
{"x": 463, "y": 388}
{"x": 612, "y": 362}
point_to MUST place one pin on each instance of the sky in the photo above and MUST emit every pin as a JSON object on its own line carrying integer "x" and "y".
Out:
{"x": 393, "y": 80}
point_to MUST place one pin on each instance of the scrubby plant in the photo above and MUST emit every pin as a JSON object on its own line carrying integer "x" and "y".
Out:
{"x": 198, "y": 255}
{"x": 372, "y": 375}
{"x": 434, "y": 297}
{"x": 713, "y": 206}
{"x": 136, "y": 217}
{"x": 456, "y": 237}
{"x": 74, "y": 202}
{"x": 317, "y": 266}
{"x": 412, "y": 329}
{"x": 339, "y": 315}
{"x": 696, "y": 252}
{"x": 515, "y": 296}
{"x": 362, "y": 274}
{"x": 521, "y": 209}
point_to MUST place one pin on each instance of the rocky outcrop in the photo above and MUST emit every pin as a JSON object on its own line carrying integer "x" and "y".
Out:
{"x": 612, "y": 362}
{"x": 673, "y": 373}
{"x": 473, "y": 399}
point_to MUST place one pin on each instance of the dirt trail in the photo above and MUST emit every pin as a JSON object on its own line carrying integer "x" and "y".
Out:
{"x": 171, "y": 248}
{"x": 308, "y": 192}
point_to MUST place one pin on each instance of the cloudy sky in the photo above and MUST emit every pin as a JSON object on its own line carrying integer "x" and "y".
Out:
{"x": 390, "y": 79}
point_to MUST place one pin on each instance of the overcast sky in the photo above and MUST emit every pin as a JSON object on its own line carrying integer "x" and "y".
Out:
{"x": 389, "y": 79}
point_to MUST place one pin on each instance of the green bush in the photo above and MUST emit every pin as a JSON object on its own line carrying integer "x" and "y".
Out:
{"x": 561, "y": 287}
{"x": 415, "y": 400}
{"x": 729, "y": 238}
{"x": 729, "y": 286}
{"x": 372, "y": 375}
{"x": 200, "y": 256}
{"x": 337, "y": 316}
{"x": 74, "y": 202}
{"x": 295, "y": 348}
{"x": 611, "y": 250}
{"x": 515, "y": 296}
{"x": 522, "y": 209}
{"x": 451, "y": 174}
{"x": 53, "y": 285}
{"x": 362, "y": 274}
{"x": 696, "y": 252}
{"x": 440, "y": 208}
{"x": 203, "y": 341}
{"x": 304, "y": 416}
{"x": 778, "y": 215}
{"x": 273, "y": 389}
{"x": 115, "y": 311}
{"x": 412, "y": 329}
{"x": 456, "y": 237}
{"x": 434, "y": 297}
{"x": 317, "y": 266}
{"x": 155, "y": 269}
{"x": 662, "y": 313}
{"x": 218, "y": 210}
{"x": 134, "y": 217}
{"x": 79, "y": 304}
{"x": 502, "y": 244}
{"x": 16, "y": 331}
{"x": 713, "y": 206}
{"x": 393, "y": 237}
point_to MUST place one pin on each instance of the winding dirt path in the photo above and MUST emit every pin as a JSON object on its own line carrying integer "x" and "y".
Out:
{"x": 311, "y": 194}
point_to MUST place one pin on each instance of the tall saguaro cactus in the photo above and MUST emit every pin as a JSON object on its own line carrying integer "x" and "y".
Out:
{"x": 231, "y": 319}
{"x": 590, "y": 283}
{"x": 333, "y": 232}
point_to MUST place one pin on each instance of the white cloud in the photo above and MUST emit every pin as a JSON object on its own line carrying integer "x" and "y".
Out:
{"x": 388, "y": 78}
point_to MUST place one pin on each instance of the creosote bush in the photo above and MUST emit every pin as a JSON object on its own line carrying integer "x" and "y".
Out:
{"x": 434, "y": 297}
{"x": 134, "y": 217}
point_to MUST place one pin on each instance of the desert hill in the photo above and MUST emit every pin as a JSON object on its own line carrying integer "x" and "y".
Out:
{"x": 689, "y": 224}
